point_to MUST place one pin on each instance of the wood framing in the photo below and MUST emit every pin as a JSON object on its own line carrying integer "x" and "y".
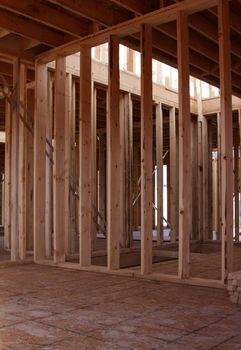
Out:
{"x": 136, "y": 189}
{"x": 239, "y": 122}
{"x": 195, "y": 193}
{"x": 226, "y": 135}
{"x": 236, "y": 187}
{"x": 15, "y": 166}
{"x": 161, "y": 16}
{"x": 185, "y": 169}
{"x": 86, "y": 188}
{"x": 29, "y": 169}
{"x": 59, "y": 169}
{"x": 200, "y": 158}
{"x": 102, "y": 176}
{"x": 72, "y": 164}
{"x": 113, "y": 157}
{"x": 173, "y": 197}
{"x": 69, "y": 139}
{"x": 129, "y": 166}
{"x": 85, "y": 134}
{"x": 7, "y": 176}
{"x": 126, "y": 142}
{"x": 49, "y": 168}
{"x": 205, "y": 178}
{"x": 146, "y": 149}
{"x": 122, "y": 165}
{"x": 159, "y": 176}
{"x": 22, "y": 167}
{"x": 215, "y": 195}
{"x": 210, "y": 182}
{"x": 93, "y": 158}
{"x": 219, "y": 176}
{"x": 40, "y": 160}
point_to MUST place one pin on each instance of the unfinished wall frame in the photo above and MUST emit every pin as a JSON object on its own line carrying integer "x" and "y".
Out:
{"x": 144, "y": 25}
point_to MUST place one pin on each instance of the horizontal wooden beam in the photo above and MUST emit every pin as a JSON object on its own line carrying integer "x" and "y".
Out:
{"x": 47, "y": 15}
{"x": 136, "y": 6}
{"x": 30, "y": 29}
{"x": 164, "y": 15}
{"x": 12, "y": 52}
{"x": 200, "y": 42}
{"x": 3, "y": 33}
{"x": 93, "y": 10}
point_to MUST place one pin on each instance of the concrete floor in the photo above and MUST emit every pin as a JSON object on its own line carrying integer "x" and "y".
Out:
{"x": 51, "y": 308}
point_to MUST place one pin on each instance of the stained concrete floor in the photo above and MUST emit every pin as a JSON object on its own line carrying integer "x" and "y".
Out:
{"x": 51, "y": 308}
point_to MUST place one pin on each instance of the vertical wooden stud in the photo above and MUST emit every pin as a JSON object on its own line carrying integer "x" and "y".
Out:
{"x": 77, "y": 171}
{"x": 219, "y": 192}
{"x": 236, "y": 187}
{"x": 226, "y": 133}
{"x": 73, "y": 199}
{"x": 122, "y": 168}
{"x": 205, "y": 177}
{"x": 146, "y": 149}
{"x": 7, "y": 174}
{"x": 215, "y": 194}
{"x": 136, "y": 190}
{"x": 22, "y": 166}
{"x": 29, "y": 171}
{"x": 93, "y": 166}
{"x": 173, "y": 174}
{"x": 49, "y": 169}
{"x": 113, "y": 157}
{"x": 195, "y": 196}
{"x": 159, "y": 164}
{"x": 102, "y": 177}
{"x": 14, "y": 165}
{"x": 200, "y": 159}
{"x": 126, "y": 168}
{"x": 67, "y": 161}
{"x": 239, "y": 122}
{"x": 85, "y": 140}
{"x": 210, "y": 182}
{"x": 59, "y": 170}
{"x": 40, "y": 159}
{"x": 128, "y": 171}
{"x": 185, "y": 172}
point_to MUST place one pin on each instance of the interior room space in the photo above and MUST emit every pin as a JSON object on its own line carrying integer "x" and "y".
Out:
{"x": 120, "y": 174}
